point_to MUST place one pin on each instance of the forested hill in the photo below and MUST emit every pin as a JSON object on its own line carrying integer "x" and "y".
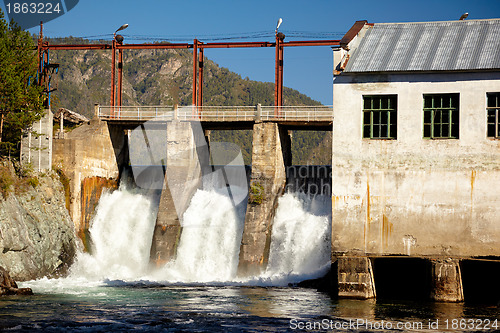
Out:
{"x": 164, "y": 77}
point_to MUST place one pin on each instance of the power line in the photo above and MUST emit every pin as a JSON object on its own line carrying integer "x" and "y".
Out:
{"x": 223, "y": 36}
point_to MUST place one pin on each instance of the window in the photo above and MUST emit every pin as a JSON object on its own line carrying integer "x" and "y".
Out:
{"x": 380, "y": 117}
{"x": 441, "y": 115}
{"x": 493, "y": 111}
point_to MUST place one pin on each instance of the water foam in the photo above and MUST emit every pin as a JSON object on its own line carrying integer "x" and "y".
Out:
{"x": 300, "y": 239}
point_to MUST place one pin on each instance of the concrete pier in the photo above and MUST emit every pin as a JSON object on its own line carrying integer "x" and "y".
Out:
{"x": 355, "y": 278}
{"x": 187, "y": 160}
{"x": 270, "y": 153}
{"x": 447, "y": 281}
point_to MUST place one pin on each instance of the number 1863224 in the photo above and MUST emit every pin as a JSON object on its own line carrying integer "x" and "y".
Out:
{"x": 33, "y": 8}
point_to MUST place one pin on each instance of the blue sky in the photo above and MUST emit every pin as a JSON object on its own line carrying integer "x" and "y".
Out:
{"x": 307, "y": 69}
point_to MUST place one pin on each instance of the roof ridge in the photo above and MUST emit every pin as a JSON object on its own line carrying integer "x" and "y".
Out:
{"x": 428, "y": 22}
{"x": 429, "y": 46}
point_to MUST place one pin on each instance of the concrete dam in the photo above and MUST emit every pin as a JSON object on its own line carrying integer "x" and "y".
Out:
{"x": 183, "y": 163}
{"x": 257, "y": 240}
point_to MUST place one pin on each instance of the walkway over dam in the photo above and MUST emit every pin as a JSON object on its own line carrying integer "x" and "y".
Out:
{"x": 222, "y": 117}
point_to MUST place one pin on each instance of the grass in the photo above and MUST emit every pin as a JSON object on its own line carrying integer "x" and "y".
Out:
{"x": 256, "y": 194}
{"x": 7, "y": 180}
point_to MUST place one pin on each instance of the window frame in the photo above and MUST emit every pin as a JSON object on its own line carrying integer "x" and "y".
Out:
{"x": 496, "y": 115}
{"x": 389, "y": 121}
{"x": 448, "y": 116}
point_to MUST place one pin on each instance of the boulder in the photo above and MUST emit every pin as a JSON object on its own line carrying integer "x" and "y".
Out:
{"x": 9, "y": 287}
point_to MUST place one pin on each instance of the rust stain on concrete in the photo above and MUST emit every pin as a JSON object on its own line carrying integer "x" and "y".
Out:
{"x": 387, "y": 228}
{"x": 91, "y": 191}
{"x": 368, "y": 218}
{"x": 472, "y": 182}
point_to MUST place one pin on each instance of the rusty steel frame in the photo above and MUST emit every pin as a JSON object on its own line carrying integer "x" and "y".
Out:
{"x": 113, "y": 70}
{"x": 198, "y": 60}
{"x": 119, "y": 97}
{"x": 200, "y": 78}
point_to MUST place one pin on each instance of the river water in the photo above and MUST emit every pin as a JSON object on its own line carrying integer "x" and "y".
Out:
{"x": 117, "y": 306}
{"x": 115, "y": 289}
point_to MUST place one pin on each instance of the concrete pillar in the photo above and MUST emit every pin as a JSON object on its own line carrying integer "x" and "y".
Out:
{"x": 176, "y": 112}
{"x": 186, "y": 163}
{"x": 355, "y": 276}
{"x": 61, "y": 126}
{"x": 267, "y": 183}
{"x": 96, "y": 111}
{"x": 36, "y": 150}
{"x": 447, "y": 281}
{"x": 258, "y": 113}
{"x": 167, "y": 231}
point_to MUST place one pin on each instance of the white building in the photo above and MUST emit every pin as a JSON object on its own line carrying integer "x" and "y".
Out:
{"x": 416, "y": 149}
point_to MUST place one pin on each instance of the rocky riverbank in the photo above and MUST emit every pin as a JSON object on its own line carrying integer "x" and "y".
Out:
{"x": 37, "y": 236}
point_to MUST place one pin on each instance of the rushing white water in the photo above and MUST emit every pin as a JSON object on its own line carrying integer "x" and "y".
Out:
{"x": 208, "y": 250}
{"x": 300, "y": 241}
{"x": 121, "y": 234}
{"x": 210, "y": 240}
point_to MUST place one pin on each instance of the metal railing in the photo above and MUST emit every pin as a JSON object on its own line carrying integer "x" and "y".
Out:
{"x": 136, "y": 112}
{"x": 297, "y": 113}
{"x": 217, "y": 113}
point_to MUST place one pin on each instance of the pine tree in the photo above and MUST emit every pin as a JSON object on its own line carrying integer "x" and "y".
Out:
{"x": 21, "y": 100}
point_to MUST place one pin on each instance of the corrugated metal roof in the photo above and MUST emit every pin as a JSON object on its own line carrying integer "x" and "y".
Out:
{"x": 428, "y": 46}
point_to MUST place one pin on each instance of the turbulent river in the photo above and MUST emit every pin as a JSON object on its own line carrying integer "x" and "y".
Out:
{"x": 115, "y": 289}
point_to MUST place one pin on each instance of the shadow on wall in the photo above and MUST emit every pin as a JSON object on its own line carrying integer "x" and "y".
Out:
{"x": 480, "y": 280}
{"x": 402, "y": 278}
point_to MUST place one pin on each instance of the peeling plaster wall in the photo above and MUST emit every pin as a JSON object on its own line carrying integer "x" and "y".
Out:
{"x": 415, "y": 196}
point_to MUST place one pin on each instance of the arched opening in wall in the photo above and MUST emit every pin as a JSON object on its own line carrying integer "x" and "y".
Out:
{"x": 402, "y": 278}
{"x": 480, "y": 280}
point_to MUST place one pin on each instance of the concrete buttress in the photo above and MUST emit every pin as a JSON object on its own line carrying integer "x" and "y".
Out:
{"x": 187, "y": 159}
{"x": 355, "y": 276}
{"x": 270, "y": 152}
{"x": 447, "y": 281}
{"x": 90, "y": 157}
